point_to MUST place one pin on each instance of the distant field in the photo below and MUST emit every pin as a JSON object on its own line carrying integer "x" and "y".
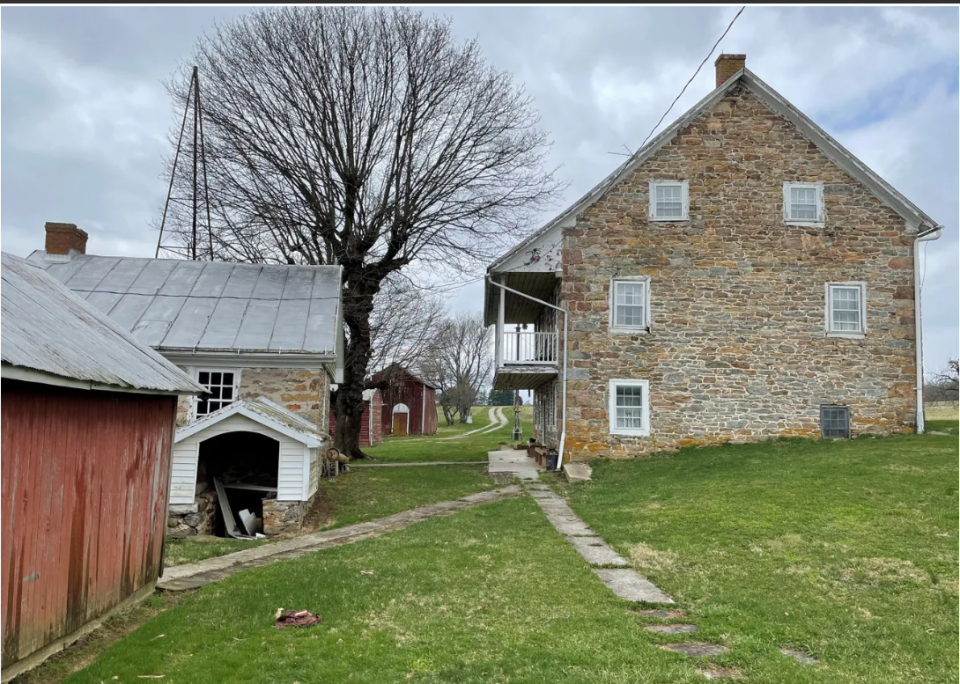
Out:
{"x": 941, "y": 410}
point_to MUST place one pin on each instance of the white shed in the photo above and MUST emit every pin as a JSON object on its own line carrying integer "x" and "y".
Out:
{"x": 258, "y": 438}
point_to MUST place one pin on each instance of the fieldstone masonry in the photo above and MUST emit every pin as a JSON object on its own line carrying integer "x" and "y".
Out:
{"x": 280, "y": 517}
{"x": 188, "y": 520}
{"x": 737, "y": 349}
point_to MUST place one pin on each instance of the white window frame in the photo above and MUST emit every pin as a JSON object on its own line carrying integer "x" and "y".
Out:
{"x": 828, "y": 310}
{"x": 684, "y": 196}
{"x": 787, "y": 204}
{"x": 641, "y": 329}
{"x": 195, "y": 400}
{"x": 612, "y": 408}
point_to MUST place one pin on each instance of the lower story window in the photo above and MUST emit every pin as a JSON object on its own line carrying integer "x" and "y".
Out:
{"x": 222, "y": 387}
{"x": 629, "y": 410}
{"x": 835, "y": 421}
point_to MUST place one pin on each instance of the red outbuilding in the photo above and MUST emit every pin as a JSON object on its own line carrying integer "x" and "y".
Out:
{"x": 88, "y": 417}
{"x": 409, "y": 403}
{"x": 371, "y": 433}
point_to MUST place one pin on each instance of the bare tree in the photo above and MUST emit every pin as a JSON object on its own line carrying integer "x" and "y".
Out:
{"x": 403, "y": 323}
{"x": 459, "y": 363}
{"x": 945, "y": 384}
{"x": 368, "y": 138}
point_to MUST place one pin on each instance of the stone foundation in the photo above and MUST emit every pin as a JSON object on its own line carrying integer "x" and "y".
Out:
{"x": 282, "y": 517}
{"x": 189, "y": 520}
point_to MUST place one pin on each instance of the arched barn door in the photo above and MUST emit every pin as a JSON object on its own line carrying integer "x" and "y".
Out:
{"x": 401, "y": 420}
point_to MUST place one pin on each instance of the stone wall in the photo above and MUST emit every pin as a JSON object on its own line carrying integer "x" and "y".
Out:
{"x": 737, "y": 349}
{"x": 304, "y": 391}
{"x": 282, "y": 517}
{"x": 188, "y": 520}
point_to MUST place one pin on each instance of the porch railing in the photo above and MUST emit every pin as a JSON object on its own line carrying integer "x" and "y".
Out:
{"x": 529, "y": 348}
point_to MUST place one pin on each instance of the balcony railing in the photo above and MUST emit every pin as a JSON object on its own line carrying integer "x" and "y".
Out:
{"x": 529, "y": 348}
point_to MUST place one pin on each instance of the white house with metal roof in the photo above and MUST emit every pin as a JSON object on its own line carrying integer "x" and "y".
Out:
{"x": 241, "y": 331}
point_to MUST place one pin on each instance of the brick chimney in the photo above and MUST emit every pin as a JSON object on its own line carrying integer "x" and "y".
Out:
{"x": 62, "y": 237}
{"x": 727, "y": 66}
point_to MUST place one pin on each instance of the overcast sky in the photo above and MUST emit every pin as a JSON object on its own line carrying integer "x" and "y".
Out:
{"x": 83, "y": 114}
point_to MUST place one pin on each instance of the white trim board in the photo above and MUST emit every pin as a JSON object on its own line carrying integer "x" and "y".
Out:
{"x": 244, "y": 409}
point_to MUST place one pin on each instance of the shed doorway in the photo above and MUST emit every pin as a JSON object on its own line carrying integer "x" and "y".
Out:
{"x": 401, "y": 420}
{"x": 247, "y": 465}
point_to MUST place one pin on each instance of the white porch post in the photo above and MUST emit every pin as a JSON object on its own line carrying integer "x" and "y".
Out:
{"x": 499, "y": 340}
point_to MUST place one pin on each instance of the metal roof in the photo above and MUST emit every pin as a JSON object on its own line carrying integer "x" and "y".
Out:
{"x": 46, "y": 327}
{"x": 176, "y": 305}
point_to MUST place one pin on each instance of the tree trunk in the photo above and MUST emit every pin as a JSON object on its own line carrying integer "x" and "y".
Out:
{"x": 449, "y": 414}
{"x": 464, "y": 413}
{"x": 348, "y": 408}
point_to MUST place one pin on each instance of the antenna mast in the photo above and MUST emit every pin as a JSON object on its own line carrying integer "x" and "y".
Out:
{"x": 199, "y": 159}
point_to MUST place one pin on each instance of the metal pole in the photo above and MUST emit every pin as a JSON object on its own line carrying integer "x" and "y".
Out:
{"x": 196, "y": 131}
{"x": 203, "y": 160}
{"x": 173, "y": 171}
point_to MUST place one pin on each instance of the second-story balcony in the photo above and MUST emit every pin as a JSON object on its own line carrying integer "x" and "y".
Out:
{"x": 529, "y": 348}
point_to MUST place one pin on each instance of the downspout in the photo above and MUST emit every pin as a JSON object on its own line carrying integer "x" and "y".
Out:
{"x": 931, "y": 234}
{"x": 563, "y": 380}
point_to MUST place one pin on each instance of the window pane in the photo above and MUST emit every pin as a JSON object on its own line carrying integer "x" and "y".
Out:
{"x": 228, "y": 378}
{"x": 835, "y": 421}
{"x": 803, "y": 203}
{"x": 845, "y": 302}
{"x": 629, "y": 303}
{"x": 668, "y": 201}
{"x": 628, "y": 403}
{"x": 204, "y": 378}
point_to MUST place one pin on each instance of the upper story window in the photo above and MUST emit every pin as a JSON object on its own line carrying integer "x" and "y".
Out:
{"x": 803, "y": 203}
{"x": 629, "y": 407}
{"x": 846, "y": 309}
{"x": 222, "y": 385}
{"x": 669, "y": 200}
{"x": 630, "y": 305}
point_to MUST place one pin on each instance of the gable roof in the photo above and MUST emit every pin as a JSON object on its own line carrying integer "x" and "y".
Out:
{"x": 395, "y": 372}
{"x": 263, "y": 411}
{"x": 51, "y": 335}
{"x": 833, "y": 150}
{"x": 175, "y": 305}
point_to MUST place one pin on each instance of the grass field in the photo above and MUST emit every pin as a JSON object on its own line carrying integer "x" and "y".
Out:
{"x": 845, "y": 549}
{"x": 438, "y": 448}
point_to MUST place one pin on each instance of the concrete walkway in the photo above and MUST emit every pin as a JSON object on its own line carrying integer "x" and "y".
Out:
{"x": 513, "y": 461}
{"x": 607, "y": 564}
{"x": 193, "y": 575}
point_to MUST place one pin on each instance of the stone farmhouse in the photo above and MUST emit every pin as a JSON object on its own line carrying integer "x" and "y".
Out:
{"x": 741, "y": 277}
{"x": 265, "y": 341}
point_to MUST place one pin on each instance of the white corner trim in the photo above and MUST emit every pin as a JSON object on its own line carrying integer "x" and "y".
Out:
{"x": 611, "y": 306}
{"x": 828, "y": 310}
{"x": 612, "y": 408}
{"x": 684, "y": 196}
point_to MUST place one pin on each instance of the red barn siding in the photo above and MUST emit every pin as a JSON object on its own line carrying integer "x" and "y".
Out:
{"x": 364, "y": 423}
{"x": 84, "y": 499}
{"x": 417, "y": 397}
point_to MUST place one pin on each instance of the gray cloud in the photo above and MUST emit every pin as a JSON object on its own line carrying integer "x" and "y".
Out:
{"x": 84, "y": 114}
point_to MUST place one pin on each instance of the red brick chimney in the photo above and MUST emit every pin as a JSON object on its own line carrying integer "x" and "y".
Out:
{"x": 62, "y": 237}
{"x": 727, "y": 66}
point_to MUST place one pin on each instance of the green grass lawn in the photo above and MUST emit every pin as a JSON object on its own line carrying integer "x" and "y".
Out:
{"x": 848, "y": 549}
{"x": 470, "y": 448}
{"x": 361, "y": 494}
{"x": 845, "y": 549}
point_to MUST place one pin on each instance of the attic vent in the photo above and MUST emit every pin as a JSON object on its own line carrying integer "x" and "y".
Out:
{"x": 835, "y": 422}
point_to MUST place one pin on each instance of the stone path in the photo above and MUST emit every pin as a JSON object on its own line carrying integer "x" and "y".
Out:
{"x": 193, "y": 575}
{"x": 426, "y": 463}
{"x": 625, "y": 582}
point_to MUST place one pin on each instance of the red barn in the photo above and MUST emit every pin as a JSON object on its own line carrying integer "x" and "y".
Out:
{"x": 371, "y": 433}
{"x": 88, "y": 417}
{"x": 409, "y": 403}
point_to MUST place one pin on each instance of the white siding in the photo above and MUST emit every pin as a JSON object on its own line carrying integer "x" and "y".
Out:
{"x": 314, "y": 481}
{"x": 183, "y": 480}
{"x": 291, "y": 478}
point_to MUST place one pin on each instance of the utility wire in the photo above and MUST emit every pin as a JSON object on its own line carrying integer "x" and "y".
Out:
{"x": 730, "y": 26}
